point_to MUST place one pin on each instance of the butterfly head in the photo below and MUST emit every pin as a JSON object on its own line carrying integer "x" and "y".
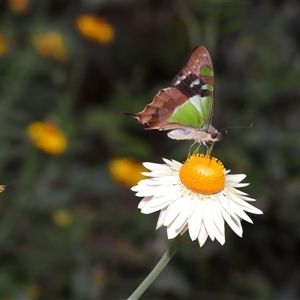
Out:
{"x": 211, "y": 135}
{"x": 216, "y": 136}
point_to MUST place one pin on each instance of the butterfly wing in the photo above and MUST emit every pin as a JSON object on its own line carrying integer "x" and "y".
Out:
{"x": 196, "y": 82}
{"x": 188, "y": 103}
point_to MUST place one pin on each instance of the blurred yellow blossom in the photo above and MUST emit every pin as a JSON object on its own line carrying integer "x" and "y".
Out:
{"x": 126, "y": 171}
{"x": 33, "y": 290}
{"x": 51, "y": 45}
{"x": 62, "y": 218}
{"x": 3, "y": 44}
{"x": 95, "y": 29}
{"x": 18, "y": 6}
{"x": 47, "y": 137}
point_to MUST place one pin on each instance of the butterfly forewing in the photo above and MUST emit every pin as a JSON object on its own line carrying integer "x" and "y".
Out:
{"x": 196, "y": 77}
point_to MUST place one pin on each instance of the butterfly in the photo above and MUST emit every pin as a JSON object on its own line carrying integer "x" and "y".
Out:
{"x": 186, "y": 107}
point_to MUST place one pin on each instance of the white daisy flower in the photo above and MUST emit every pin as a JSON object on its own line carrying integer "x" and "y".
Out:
{"x": 198, "y": 196}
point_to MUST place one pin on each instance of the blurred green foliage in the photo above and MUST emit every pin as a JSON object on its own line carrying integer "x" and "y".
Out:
{"x": 102, "y": 247}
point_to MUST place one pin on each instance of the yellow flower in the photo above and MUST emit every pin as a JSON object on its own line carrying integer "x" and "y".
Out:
{"x": 95, "y": 29}
{"x": 3, "y": 44}
{"x": 33, "y": 290}
{"x": 18, "y": 6}
{"x": 126, "y": 171}
{"x": 62, "y": 218}
{"x": 51, "y": 45}
{"x": 47, "y": 137}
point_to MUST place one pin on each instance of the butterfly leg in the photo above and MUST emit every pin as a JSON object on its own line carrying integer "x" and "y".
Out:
{"x": 209, "y": 149}
{"x": 191, "y": 149}
{"x": 196, "y": 150}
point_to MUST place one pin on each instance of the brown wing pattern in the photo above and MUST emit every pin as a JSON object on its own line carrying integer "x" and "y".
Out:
{"x": 156, "y": 114}
{"x": 184, "y": 80}
{"x": 198, "y": 58}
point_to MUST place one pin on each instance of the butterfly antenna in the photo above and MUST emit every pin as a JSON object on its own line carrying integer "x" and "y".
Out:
{"x": 235, "y": 127}
{"x": 3, "y": 186}
{"x": 11, "y": 183}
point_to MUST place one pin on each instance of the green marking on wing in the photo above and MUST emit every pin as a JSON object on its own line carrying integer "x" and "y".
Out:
{"x": 187, "y": 114}
{"x": 203, "y": 106}
{"x": 206, "y": 71}
{"x": 207, "y": 87}
{"x": 195, "y": 112}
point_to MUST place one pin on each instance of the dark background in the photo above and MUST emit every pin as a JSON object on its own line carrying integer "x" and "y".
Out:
{"x": 109, "y": 247}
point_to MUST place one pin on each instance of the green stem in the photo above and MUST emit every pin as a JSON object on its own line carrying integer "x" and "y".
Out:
{"x": 158, "y": 268}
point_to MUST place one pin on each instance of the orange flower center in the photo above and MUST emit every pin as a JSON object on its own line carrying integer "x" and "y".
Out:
{"x": 203, "y": 174}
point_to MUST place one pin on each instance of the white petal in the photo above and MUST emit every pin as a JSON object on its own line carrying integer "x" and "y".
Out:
{"x": 243, "y": 204}
{"x": 156, "y": 167}
{"x": 236, "y": 184}
{"x": 195, "y": 220}
{"x": 151, "y": 191}
{"x": 235, "y": 178}
{"x": 171, "y": 231}
{"x": 176, "y": 164}
{"x": 239, "y": 212}
{"x": 149, "y": 174}
{"x": 141, "y": 185}
{"x": 151, "y": 207}
{"x": 216, "y": 214}
{"x": 248, "y": 199}
{"x": 167, "y": 180}
{"x": 234, "y": 208}
{"x": 163, "y": 200}
{"x": 184, "y": 229}
{"x": 233, "y": 222}
{"x": 173, "y": 164}
{"x": 240, "y": 185}
{"x": 202, "y": 235}
{"x": 161, "y": 218}
{"x": 167, "y": 161}
{"x": 144, "y": 201}
{"x": 157, "y": 175}
{"x": 174, "y": 210}
{"x": 208, "y": 222}
{"x": 158, "y": 191}
{"x": 220, "y": 237}
{"x": 184, "y": 213}
{"x": 234, "y": 190}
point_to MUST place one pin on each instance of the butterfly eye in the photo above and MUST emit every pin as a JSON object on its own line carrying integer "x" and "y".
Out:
{"x": 214, "y": 135}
